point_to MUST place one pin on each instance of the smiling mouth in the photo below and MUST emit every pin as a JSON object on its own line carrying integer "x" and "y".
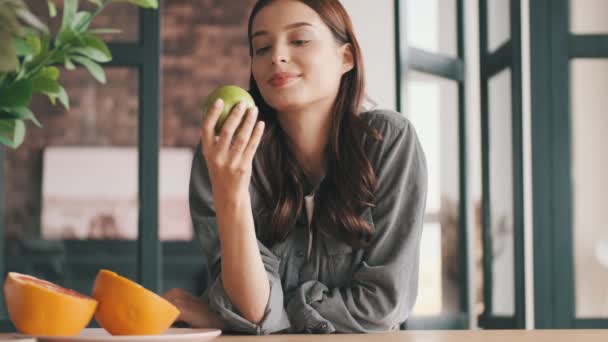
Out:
{"x": 283, "y": 81}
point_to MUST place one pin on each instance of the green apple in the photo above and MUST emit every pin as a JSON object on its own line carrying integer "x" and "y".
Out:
{"x": 231, "y": 95}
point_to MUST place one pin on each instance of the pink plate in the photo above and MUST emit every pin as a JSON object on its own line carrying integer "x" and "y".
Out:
{"x": 171, "y": 335}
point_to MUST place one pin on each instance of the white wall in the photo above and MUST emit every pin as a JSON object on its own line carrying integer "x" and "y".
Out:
{"x": 374, "y": 27}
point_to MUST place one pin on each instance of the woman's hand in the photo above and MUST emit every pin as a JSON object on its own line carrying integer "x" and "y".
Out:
{"x": 229, "y": 156}
{"x": 193, "y": 310}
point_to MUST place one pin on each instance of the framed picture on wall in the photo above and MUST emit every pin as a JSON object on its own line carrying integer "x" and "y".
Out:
{"x": 92, "y": 193}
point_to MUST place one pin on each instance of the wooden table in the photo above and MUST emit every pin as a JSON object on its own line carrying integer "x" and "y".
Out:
{"x": 439, "y": 336}
{"x": 422, "y": 336}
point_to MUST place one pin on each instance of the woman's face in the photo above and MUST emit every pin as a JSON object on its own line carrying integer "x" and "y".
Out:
{"x": 296, "y": 61}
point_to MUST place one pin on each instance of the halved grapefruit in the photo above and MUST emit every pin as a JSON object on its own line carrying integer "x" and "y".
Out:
{"x": 39, "y": 307}
{"x": 127, "y": 308}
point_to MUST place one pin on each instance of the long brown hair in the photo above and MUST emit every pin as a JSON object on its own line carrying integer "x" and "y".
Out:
{"x": 350, "y": 182}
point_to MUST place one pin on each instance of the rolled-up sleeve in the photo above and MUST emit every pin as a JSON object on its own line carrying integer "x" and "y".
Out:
{"x": 383, "y": 289}
{"x": 205, "y": 225}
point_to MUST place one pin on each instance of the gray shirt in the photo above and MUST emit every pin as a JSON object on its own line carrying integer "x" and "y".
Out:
{"x": 319, "y": 284}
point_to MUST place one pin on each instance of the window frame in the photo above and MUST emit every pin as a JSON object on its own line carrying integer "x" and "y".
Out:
{"x": 450, "y": 68}
{"x": 553, "y": 46}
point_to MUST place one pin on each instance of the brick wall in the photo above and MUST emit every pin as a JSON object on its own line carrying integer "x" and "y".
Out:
{"x": 205, "y": 45}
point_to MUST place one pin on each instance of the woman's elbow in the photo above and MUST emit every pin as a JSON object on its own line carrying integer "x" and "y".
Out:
{"x": 254, "y": 316}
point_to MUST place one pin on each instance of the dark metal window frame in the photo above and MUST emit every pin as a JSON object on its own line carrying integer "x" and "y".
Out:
{"x": 450, "y": 68}
{"x": 506, "y": 56}
{"x": 553, "y": 46}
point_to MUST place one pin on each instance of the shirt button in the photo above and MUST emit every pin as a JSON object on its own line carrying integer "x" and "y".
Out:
{"x": 322, "y": 328}
{"x": 300, "y": 254}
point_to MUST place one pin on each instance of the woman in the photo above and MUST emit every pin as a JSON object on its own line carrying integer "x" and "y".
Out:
{"x": 310, "y": 217}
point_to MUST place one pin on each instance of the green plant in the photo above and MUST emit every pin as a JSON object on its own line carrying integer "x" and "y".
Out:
{"x": 29, "y": 58}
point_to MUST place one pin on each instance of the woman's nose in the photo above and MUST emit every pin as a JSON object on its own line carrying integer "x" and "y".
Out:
{"x": 279, "y": 55}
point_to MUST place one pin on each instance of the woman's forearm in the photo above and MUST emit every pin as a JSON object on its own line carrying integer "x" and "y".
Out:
{"x": 243, "y": 273}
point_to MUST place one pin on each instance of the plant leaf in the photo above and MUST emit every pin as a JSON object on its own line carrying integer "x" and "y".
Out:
{"x": 142, "y": 3}
{"x": 50, "y": 72}
{"x": 63, "y": 98}
{"x": 33, "y": 40}
{"x": 22, "y": 48}
{"x": 91, "y": 53}
{"x": 95, "y": 69}
{"x": 94, "y": 48}
{"x": 33, "y": 62}
{"x": 104, "y": 31}
{"x": 8, "y": 53}
{"x": 52, "y": 8}
{"x": 45, "y": 42}
{"x": 70, "y": 7}
{"x": 45, "y": 85}
{"x": 21, "y": 113}
{"x": 64, "y": 36}
{"x": 81, "y": 21}
{"x": 27, "y": 46}
{"x": 28, "y": 17}
{"x": 96, "y": 2}
{"x": 12, "y": 132}
{"x": 68, "y": 63}
{"x": 18, "y": 94}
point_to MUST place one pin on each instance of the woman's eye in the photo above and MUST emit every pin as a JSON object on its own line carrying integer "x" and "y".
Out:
{"x": 262, "y": 50}
{"x": 300, "y": 42}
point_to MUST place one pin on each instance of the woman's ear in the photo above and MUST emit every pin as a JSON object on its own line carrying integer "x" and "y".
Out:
{"x": 348, "y": 57}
